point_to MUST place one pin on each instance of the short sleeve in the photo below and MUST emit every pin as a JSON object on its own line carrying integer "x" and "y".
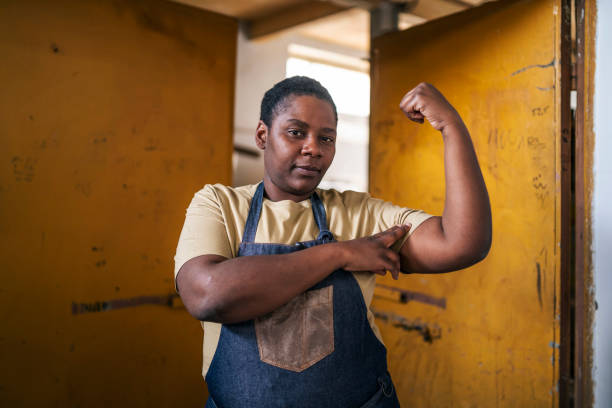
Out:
{"x": 204, "y": 231}
{"x": 388, "y": 214}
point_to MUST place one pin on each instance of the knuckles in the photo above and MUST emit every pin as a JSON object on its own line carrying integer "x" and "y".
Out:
{"x": 424, "y": 85}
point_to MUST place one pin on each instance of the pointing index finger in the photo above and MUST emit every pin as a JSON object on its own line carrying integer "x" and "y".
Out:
{"x": 393, "y": 234}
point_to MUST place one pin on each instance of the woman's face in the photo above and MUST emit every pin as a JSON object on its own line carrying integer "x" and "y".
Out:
{"x": 298, "y": 147}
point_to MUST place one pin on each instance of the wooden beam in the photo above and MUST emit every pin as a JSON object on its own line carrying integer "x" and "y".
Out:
{"x": 432, "y": 9}
{"x": 290, "y": 17}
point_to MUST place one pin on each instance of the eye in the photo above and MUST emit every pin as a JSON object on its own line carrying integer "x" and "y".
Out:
{"x": 295, "y": 132}
{"x": 328, "y": 139}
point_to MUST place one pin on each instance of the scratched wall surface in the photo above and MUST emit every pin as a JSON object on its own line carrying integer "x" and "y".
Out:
{"x": 112, "y": 114}
{"x": 486, "y": 336}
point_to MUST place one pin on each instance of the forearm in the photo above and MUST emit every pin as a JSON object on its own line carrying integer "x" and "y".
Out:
{"x": 466, "y": 220}
{"x": 243, "y": 288}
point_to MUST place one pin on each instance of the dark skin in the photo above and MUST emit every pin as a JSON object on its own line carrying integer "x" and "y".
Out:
{"x": 299, "y": 147}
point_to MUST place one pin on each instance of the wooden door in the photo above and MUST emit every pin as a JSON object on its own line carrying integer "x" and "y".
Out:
{"x": 486, "y": 336}
{"x": 112, "y": 114}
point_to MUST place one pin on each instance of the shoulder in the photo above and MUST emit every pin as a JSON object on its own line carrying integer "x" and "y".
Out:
{"x": 224, "y": 195}
{"x": 355, "y": 201}
{"x": 348, "y": 199}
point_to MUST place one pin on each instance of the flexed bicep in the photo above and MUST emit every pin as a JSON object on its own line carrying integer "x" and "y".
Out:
{"x": 429, "y": 250}
{"x": 462, "y": 236}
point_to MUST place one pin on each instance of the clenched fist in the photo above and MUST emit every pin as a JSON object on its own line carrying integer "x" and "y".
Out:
{"x": 426, "y": 102}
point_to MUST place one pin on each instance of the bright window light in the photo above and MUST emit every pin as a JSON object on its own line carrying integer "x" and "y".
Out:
{"x": 350, "y": 89}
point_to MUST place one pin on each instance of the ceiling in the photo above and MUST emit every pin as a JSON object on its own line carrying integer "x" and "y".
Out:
{"x": 340, "y": 22}
{"x": 243, "y": 9}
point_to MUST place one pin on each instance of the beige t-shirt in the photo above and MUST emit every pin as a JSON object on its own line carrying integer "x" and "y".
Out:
{"x": 217, "y": 215}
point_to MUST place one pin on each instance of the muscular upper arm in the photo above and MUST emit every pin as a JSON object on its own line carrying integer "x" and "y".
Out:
{"x": 204, "y": 232}
{"x": 427, "y": 250}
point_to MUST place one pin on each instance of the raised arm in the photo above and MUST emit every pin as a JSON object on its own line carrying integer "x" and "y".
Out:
{"x": 462, "y": 236}
{"x": 214, "y": 288}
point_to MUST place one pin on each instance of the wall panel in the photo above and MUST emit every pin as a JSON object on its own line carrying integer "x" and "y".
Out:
{"x": 489, "y": 335}
{"x": 112, "y": 114}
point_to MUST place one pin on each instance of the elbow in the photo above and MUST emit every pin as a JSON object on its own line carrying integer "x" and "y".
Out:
{"x": 483, "y": 251}
{"x": 479, "y": 249}
{"x": 217, "y": 311}
{"x": 208, "y": 307}
{"x": 202, "y": 301}
{"x": 203, "y": 293}
{"x": 469, "y": 252}
{"x": 485, "y": 242}
{"x": 205, "y": 311}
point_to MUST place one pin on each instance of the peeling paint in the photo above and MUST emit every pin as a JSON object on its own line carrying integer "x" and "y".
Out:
{"x": 549, "y": 65}
{"x": 429, "y": 332}
{"x": 407, "y": 295}
{"x": 107, "y": 305}
{"x": 539, "y": 283}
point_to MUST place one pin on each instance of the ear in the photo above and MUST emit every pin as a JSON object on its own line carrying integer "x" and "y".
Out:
{"x": 261, "y": 135}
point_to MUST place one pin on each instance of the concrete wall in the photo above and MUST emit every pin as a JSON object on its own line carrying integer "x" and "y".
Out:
{"x": 602, "y": 213}
{"x": 112, "y": 114}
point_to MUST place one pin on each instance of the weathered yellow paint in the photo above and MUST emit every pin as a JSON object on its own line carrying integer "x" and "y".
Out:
{"x": 112, "y": 114}
{"x": 486, "y": 336}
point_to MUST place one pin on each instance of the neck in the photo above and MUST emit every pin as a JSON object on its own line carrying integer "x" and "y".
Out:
{"x": 274, "y": 193}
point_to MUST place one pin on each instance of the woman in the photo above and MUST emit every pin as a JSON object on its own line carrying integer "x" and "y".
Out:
{"x": 282, "y": 274}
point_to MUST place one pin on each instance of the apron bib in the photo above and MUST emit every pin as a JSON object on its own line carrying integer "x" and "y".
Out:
{"x": 318, "y": 350}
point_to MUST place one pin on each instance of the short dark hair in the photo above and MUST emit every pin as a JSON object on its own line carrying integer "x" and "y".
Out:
{"x": 274, "y": 99}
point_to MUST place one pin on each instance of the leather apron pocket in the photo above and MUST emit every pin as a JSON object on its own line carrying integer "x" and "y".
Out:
{"x": 300, "y": 333}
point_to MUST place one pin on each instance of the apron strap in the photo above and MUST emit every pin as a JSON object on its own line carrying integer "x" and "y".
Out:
{"x": 321, "y": 218}
{"x": 254, "y": 212}
{"x": 318, "y": 209}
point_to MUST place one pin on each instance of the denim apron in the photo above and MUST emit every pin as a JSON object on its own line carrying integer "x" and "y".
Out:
{"x": 318, "y": 350}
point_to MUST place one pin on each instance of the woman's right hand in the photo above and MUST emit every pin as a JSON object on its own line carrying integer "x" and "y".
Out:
{"x": 373, "y": 253}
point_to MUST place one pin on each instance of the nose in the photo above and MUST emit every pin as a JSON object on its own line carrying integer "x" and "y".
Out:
{"x": 311, "y": 146}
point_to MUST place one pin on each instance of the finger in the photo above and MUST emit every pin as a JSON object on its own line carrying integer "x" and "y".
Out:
{"x": 389, "y": 235}
{"x": 419, "y": 88}
{"x": 413, "y": 109}
{"x": 393, "y": 234}
{"x": 415, "y": 117}
{"x": 408, "y": 95}
{"x": 381, "y": 234}
{"x": 389, "y": 262}
{"x": 394, "y": 259}
{"x": 394, "y": 273}
{"x": 413, "y": 112}
{"x": 408, "y": 102}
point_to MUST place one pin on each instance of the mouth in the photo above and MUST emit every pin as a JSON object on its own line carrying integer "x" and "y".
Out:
{"x": 310, "y": 171}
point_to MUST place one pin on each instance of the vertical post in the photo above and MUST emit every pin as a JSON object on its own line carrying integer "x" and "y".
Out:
{"x": 580, "y": 307}
{"x": 384, "y": 18}
{"x": 567, "y": 315}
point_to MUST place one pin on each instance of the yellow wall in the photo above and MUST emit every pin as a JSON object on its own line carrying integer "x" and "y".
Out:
{"x": 112, "y": 114}
{"x": 487, "y": 336}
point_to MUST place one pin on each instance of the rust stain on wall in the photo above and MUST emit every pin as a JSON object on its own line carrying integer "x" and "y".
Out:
{"x": 114, "y": 304}
{"x": 406, "y": 296}
{"x": 428, "y": 331}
